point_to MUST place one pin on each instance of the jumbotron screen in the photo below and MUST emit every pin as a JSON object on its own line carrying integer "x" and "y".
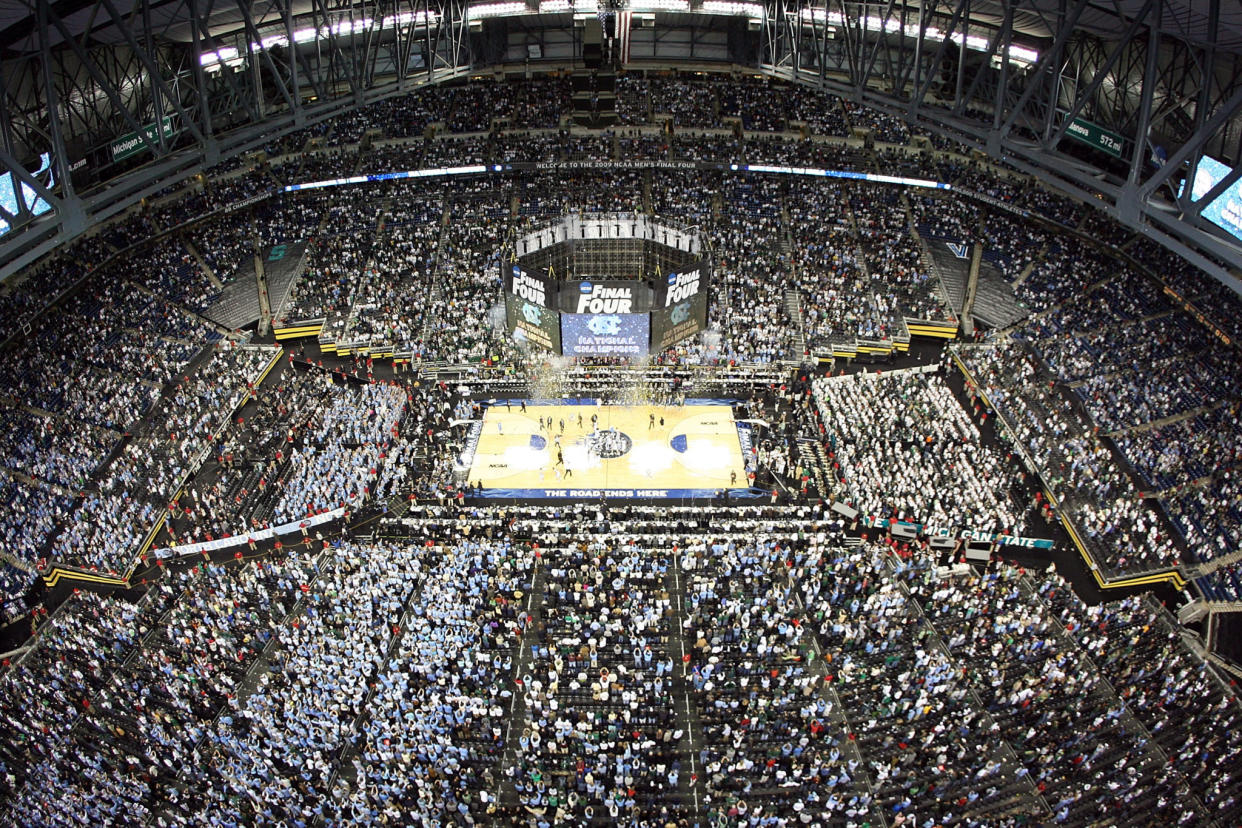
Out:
{"x": 679, "y": 321}
{"x": 605, "y": 334}
{"x": 1226, "y": 209}
{"x": 532, "y": 324}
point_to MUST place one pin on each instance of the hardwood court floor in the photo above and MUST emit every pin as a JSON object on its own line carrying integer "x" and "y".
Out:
{"x": 660, "y": 447}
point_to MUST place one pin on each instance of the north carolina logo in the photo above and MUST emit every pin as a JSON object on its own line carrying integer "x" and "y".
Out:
{"x": 609, "y": 444}
{"x": 604, "y": 325}
{"x": 532, "y": 313}
{"x": 680, "y": 313}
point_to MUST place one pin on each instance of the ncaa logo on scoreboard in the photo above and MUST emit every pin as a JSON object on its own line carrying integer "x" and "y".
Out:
{"x": 681, "y": 286}
{"x": 604, "y": 325}
{"x": 601, "y": 299}
{"x": 525, "y": 287}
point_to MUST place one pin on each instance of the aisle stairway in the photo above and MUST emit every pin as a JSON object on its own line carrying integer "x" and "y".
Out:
{"x": 793, "y": 306}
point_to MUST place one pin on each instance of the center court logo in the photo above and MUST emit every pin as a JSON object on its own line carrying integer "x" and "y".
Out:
{"x": 609, "y": 444}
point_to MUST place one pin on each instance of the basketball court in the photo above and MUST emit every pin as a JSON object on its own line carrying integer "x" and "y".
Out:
{"x": 578, "y": 448}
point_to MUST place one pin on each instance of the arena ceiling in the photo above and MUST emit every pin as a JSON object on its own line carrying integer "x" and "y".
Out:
{"x": 1159, "y": 72}
{"x": 1195, "y": 21}
{"x": 1188, "y": 20}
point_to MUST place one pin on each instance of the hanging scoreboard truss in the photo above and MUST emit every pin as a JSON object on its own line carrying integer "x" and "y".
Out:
{"x": 616, "y": 284}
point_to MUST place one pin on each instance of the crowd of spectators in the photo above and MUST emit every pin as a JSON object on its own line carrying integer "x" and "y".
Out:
{"x": 801, "y": 264}
{"x": 1122, "y": 533}
{"x": 1187, "y": 450}
{"x": 775, "y": 742}
{"x": 134, "y": 690}
{"x": 389, "y": 305}
{"x": 892, "y": 256}
{"x": 902, "y": 447}
{"x": 122, "y": 505}
{"x": 458, "y": 326}
{"x": 1073, "y": 727}
{"x": 683, "y": 104}
{"x": 601, "y": 738}
{"x": 29, "y": 515}
{"x": 832, "y": 284}
{"x": 592, "y": 664}
{"x": 883, "y": 127}
{"x": 275, "y": 751}
{"x": 858, "y": 267}
{"x": 94, "y": 369}
{"x": 1112, "y": 353}
{"x": 335, "y": 266}
{"x": 443, "y": 696}
{"x": 1170, "y": 693}
{"x": 338, "y": 462}
{"x": 751, "y": 264}
{"x": 751, "y": 103}
{"x": 1209, "y": 515}
{"x": 633, "y": 99}
{"x": 238, "y": 477}
{"x": 228, "y": 253}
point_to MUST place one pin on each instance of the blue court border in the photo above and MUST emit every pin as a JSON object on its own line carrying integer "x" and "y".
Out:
{"x": 618, "y": 494}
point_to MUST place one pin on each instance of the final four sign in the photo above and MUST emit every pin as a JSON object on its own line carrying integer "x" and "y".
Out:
{"x": 681, "y": 286}
{"x": 528, "y": 287}
{"x": 596, "y": 298}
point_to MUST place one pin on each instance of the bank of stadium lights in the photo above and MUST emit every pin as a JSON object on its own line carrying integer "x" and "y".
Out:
{"x": 592, "y": 7}
{"x": 720, "y": 7}
{"x": 890, "y": 25}
{"x": 498, "y": 10}
{"x": 752, "y": 10}
{"x": 224, "y": 56}
{"x": 213, "y": 60}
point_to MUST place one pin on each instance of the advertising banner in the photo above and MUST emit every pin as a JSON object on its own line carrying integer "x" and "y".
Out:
{"x": 240, "y": 540}
{"x": 131, "y": 143}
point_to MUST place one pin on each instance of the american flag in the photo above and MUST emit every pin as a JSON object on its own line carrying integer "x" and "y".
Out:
{"x": 624, "y": 20}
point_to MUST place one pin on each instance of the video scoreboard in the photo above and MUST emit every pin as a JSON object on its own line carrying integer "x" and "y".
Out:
{"x": 606, "y": 317}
